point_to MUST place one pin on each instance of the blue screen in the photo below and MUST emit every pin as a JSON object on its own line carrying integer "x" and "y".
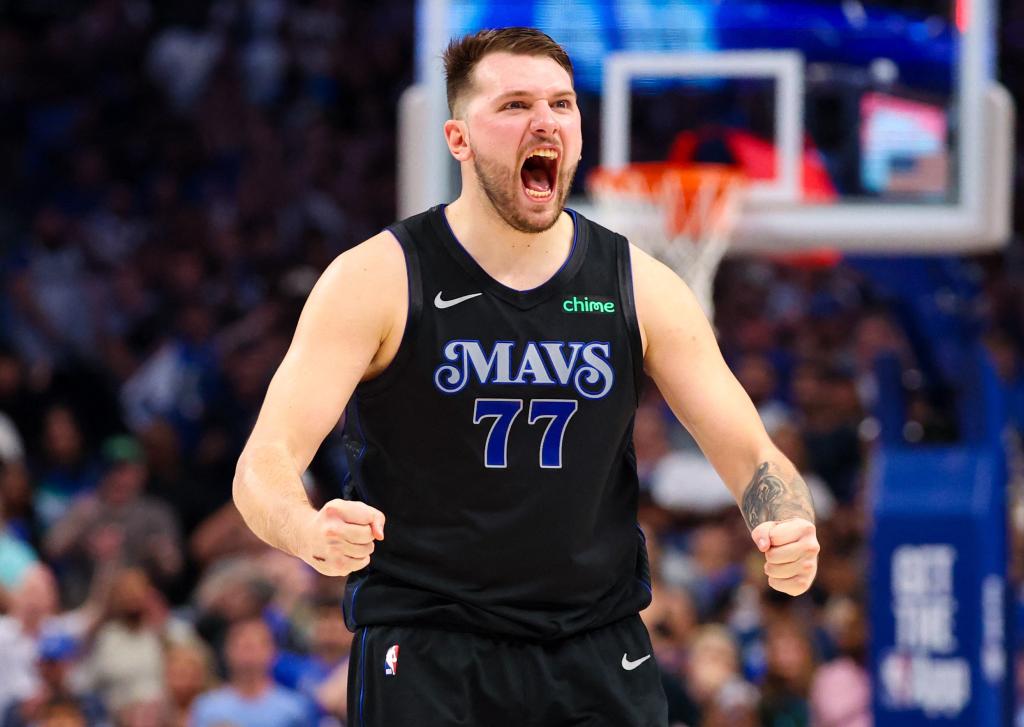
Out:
{"x": 921, "y": 44}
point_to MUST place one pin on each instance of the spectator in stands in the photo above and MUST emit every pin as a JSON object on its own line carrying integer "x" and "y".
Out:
{"x": 193, "y": 486}
{"x": 128, "y": 317}
{"x": 672, "y": 615}
{"x": 790, "y": 441}
{"x": 12, "y": 448}
{"x": 16, "y": 506}
{"x": 112, "y": 234}
{"x": 180, "y": 378}
{"x": 33, "y": 614}
{"x": 188, "y": 667}
{"x": 148, "y": 713}
{"x": 332, "y": 696}
{"x": 842, "y": 571}
{"x": 292, "y": 609}
{"x": 650, "y": 440}
{"x": 829, "y": 416}
{"x": 63, "y": 713}
{"x": 126, "y": 664}
{"x": 757, "y": 375}
{"x": 223, "y": 535}
{"x": 250, "y": 698}
{"x": 840, "y": 693}
{"x": 119, "y": 522}
{"x": 66, "y": 468}
{"x": 330, "y": 642}
{"x": 57, "y": 654}
{"x": 18, "y": 411}
{"x": 713, "y": 679}
{"x": 18, "y": 401}
{"x": 52, "y": 317}
{"x": 790, "y": 667}
{"x": 16, "y": 556}
{"x": 714, "y": 568}
{"x": 232, "y": 590}
{"x": 876, "y": 335}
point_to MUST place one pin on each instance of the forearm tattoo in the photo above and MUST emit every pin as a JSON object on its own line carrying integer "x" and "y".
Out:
{"x": 769, "y": 496}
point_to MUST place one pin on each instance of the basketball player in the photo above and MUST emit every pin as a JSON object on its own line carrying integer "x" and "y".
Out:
{"x": 490, "y": 355}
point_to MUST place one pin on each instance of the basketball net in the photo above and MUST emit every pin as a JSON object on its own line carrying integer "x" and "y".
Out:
{"x": 682, "y": 215}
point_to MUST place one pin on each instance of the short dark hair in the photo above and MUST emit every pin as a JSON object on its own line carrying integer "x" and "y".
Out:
{"x": 462, "y": 54}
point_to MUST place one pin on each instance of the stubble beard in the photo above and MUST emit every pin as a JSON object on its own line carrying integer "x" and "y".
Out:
{"x": 503, "y": 194}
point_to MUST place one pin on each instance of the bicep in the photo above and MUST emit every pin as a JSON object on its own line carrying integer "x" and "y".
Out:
{"x": 683, "y": 359}
{"x": 339, "y": 332}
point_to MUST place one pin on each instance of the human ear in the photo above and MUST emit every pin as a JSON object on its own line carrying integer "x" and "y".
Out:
{"x": 456, "y": 133}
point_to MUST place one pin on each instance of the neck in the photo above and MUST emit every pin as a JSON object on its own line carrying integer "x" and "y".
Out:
{"x": 517, "y": 259}
{"x": 31, "y": 623}
{"x": 250, "y": 685}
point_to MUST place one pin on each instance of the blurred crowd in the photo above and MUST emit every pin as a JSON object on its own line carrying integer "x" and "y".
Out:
{"x": 176, "y": 177}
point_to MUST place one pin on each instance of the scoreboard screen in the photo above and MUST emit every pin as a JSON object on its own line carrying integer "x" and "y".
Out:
{"x": 919, "y": 37}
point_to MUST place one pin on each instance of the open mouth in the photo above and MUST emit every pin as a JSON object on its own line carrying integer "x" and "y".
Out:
{"x": 539, "y": 172}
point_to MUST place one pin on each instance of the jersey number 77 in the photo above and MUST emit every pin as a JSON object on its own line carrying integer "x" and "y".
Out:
{"x": 504, "y": 413}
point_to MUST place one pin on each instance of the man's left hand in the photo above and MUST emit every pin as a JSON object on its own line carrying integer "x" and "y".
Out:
{"x": 790, "y": 550}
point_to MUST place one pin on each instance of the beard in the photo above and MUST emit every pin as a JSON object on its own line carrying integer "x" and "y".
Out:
{"x": 502, "y": 189}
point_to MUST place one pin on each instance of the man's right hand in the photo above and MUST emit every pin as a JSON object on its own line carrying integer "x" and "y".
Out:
{"x": 339, "y": 539}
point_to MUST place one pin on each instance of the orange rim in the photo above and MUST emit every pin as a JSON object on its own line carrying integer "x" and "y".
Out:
{"x": 650, "y": 180}
{"x": 677, "y": 188}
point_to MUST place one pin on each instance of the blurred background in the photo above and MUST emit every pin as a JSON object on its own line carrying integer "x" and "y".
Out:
{"x": 177, "y": 175}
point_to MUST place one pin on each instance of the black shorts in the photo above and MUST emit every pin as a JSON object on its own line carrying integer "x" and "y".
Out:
{"x": 408, "y": 676}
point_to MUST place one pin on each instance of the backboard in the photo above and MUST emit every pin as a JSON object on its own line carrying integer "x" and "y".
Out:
{"x": 861, "y": 125}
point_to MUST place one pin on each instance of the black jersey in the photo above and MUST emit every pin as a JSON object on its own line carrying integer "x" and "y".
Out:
{"x": 498, "y": 443}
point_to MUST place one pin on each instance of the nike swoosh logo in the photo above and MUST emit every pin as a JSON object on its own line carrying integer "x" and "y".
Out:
{"x": 631, "y": 665}
{"x": 441, "y": 303}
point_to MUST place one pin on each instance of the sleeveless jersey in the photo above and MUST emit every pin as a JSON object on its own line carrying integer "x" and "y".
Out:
{"x": 498, "y": 444}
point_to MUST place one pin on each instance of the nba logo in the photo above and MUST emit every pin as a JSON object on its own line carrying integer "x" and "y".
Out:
{"x": 391, "y": 661}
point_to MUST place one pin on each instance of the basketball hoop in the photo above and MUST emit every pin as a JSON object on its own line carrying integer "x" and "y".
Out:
{"x": 683, "y": 215}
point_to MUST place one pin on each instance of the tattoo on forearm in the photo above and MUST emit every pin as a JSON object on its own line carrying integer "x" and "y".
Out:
{"x": 769, "y": 496}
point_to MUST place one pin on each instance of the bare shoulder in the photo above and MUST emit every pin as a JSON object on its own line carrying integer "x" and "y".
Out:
{"x": 363, "y": 293}
{"x": 367, "y": 279}
{"x": 342, "y": 335}
{"x": 663, "y": 301}
{"x": 376, "y": 265}
{"x": 652, "y": 278}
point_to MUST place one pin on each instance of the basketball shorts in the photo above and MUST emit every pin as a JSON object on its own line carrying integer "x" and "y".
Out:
{"x": 408, "y": 676}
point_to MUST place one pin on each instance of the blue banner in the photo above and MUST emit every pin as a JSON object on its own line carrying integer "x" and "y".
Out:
{"x": 938, "y": 588}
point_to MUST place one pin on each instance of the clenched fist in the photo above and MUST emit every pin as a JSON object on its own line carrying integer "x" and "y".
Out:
{"x": 791, "y": 549}
{"x": 339, "y": 538}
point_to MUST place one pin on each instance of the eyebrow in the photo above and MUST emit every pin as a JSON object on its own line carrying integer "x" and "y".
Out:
{"x": 567, "y": 93}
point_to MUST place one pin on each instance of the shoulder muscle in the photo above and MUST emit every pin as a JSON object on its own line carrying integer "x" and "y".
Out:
{"x": 350, "y": 315}
{"x": 664, "y": 304}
